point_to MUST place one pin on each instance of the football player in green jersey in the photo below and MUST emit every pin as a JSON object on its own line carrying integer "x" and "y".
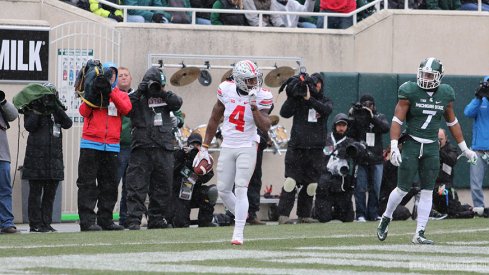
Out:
{"x": 421, "y": 107}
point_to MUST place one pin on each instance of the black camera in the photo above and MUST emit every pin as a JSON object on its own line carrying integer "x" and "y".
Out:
{"x": 359, "y": 152}
{"x": 338, "y": 166}
{"x": 483, "y": 90}
{"x": 296, "y": 86}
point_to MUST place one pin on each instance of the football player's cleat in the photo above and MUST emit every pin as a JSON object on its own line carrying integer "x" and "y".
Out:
{"x": 236, "y": 242}
{"x": 430, "y": 73}
{"x": 419, "y": 238}
{"x": 383, "y": 228}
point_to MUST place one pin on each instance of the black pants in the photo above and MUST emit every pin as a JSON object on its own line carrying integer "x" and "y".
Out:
{"x": 97, "y": 186}
{"x": 255, "y": 186}
{"x": 333, "y": 206}
{"x": 41, "y": 200}
{"x": 199, "y": 200}
{"x": 150, "y": 172}
{"x": 304, "y": 166}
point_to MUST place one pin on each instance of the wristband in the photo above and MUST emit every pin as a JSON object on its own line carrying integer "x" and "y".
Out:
{"x": 205, "y": 145}
{"x": 463, "y": 146}
{"x": 394, "y": 143}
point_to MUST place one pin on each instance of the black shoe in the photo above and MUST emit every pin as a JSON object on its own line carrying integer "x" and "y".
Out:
{"x": 9, "y": 230}
{"x": 93, "y": 227}
{"x": 112, "y": 227}
{"x": 133, "y": 226}
{"x": 210, "y": 224}
{"x": 50, "y": 228}
{"x": 38, "y": 229}
{"x": 159, "y": 225}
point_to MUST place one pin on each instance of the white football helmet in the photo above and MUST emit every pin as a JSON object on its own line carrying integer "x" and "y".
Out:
{"x": 430, "y": 73}
{"x": 247, "y": 76}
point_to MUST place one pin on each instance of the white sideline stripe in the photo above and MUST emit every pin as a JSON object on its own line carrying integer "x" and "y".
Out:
{"x": 158, "y": 262}
{"x": 469, "y": 243}
{"x": 408, "y": 248}
{"x": 338, "y": 236}
{"x": 421, "y": 266}
{"x": 401, "y": 257}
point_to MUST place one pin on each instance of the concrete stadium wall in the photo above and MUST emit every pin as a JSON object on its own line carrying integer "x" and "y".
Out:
{"x": 391, "y": 41}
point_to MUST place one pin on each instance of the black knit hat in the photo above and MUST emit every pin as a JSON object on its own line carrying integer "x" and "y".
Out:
{"x": 367, "y": 97}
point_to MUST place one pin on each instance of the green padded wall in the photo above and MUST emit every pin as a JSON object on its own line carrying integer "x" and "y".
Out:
{"x": 347, "y": 88}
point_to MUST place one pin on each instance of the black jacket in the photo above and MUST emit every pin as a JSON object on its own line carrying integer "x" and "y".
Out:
{"x": 448, "y": 157}
{"x": 304, "y": 134}
{"x": 336, "y": 183}
{"x": 362, "y": 123}
{"x": 202, "y": 4}
{"x": 144, "y": 133}
{"x": 44, "y": 152}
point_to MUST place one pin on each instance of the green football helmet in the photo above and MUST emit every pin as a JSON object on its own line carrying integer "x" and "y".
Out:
{"x": 430, "y": 73}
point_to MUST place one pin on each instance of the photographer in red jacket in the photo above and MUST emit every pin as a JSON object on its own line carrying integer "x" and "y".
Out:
{"x": 99, "y": 149}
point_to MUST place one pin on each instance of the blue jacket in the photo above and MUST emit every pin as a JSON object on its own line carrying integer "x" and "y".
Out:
{"x": 479, "y": 110}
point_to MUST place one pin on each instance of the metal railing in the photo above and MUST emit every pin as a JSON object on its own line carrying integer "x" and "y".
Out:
{"x": 194, "y": 11}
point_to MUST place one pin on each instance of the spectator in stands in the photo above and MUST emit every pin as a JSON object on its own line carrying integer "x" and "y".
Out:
{"x": 367, "y": 127}
{"x": 113, "y": 13}
{"x": 340, "y": 6}
{"x": 443, "y": 4}
{"x": 99, "y": 152}
{"x": 179, "y": 17}
{"x": 150, "y": 170}
{"x": 304, "y": 157}
{"x": 290, "y": 20}
{"x": 203, "y": 18}
{"x": 335, "y": 186}
{"x": 200, "y": 195}
{"x": 269, "y": 20}
{"x": 399, "y": 4}
{"x": 472, "y": 5}
{"x": 43, "y": 163}
{"x": 124, "y": 84}
{"x": 478, "y": 109}
{"x": 237, "y": 19}
{"x": 309, "y": 21}
{"x": 149, "y": 16}
{"x": 8, "y": 113}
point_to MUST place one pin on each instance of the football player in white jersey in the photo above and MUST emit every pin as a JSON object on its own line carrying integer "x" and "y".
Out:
{"x": 244, "y": 105}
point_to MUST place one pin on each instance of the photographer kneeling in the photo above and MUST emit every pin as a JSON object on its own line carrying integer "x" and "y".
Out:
{"x": 303, "y": 160}
{"x": 336, "y": 184}
{"x": 367, "y": 127}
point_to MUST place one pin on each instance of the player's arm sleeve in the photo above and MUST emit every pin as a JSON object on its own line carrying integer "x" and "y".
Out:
{"x": 266, "y": 101}
{"x": 403, "y": 92}
{"x": 220, "y": 94}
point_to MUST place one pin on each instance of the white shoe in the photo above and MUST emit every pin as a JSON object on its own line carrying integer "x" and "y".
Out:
{"x": 361, "y": 219}
{"x": 419, "y": 238}
{"x": 479, "y": 211}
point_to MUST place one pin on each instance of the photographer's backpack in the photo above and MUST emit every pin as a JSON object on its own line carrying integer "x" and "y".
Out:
{"x": 84, "y": 81}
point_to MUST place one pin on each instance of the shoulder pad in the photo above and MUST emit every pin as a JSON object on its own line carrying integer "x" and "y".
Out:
{"x": 406, "y": 89}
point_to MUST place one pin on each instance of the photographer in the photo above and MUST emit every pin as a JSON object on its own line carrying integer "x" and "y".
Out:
{"x": 43, "y": 163}
{"x": 367, "y": 127}
{"x": 8, "y": 113}
{"x": 198, "y": 195}
{"x": 304, "y": 158}
{"x": 150, "y": 169}
{"x": 478, "y": 109}
{"x": 335, "y": 187}
{"x": 99, "y": 152}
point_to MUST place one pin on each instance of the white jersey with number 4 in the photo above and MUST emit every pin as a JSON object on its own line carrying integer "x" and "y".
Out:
{"x": 239, "y": 128}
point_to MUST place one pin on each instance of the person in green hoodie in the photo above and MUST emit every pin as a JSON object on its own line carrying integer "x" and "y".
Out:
{"x": 124, "y": 83}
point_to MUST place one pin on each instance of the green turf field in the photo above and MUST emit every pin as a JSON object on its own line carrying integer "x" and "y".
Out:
{"x": 462, "y": 246}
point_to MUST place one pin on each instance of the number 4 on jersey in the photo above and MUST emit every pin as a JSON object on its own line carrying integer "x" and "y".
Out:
{"x": 237, "y": 117}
